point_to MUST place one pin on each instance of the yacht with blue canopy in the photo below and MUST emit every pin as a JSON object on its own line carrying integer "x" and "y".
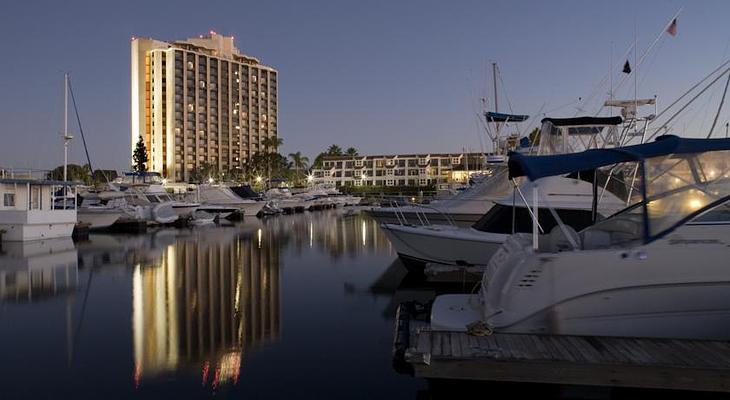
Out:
{"x": 658, "y": 268}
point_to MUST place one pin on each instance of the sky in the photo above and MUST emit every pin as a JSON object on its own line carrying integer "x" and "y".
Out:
{"x": 381, "y": 76}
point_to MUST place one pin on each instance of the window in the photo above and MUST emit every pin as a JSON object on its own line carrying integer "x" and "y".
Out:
{"x": 390, "y": 162}
{"x": 358, "y": 163}
{"x": 9, "y": 200}
{"x": 422, "y": 171}
{"x": 389, "y": 182}
{"x": 422, "y": 161}
{"x": 422, "y": 182}
{"x": 389, "y": 172}
{"x": 455, "y": 160}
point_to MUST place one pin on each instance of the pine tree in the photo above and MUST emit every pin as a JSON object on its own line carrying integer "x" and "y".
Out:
{"x": 140, "y": 156}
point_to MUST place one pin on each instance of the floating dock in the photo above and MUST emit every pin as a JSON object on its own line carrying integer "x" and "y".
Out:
{"x": 699, "y": 365}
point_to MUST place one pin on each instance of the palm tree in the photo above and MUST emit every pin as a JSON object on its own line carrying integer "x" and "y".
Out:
{"x": 300, "y": 162}
{"x": 334, "y": 150}
{"x": 271, "y": 143}
{"x": 351, "y": 151}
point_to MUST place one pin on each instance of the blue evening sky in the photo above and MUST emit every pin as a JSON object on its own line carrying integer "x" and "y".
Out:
{"x": 382, "y": 76}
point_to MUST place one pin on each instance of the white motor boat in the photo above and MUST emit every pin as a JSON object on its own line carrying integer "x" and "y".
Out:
{"x": 557, "y": 136}
{"x": 223, "y": 196}
{"x": 98, "y": 217}
{"x": 656, "y": 269}
{"x": 571, "y": 198}
{"x": 283, "y": 199}
{"x": 30, "y": 209}
{"x": 200, "y": 217}
{"x": 156, "y": 193}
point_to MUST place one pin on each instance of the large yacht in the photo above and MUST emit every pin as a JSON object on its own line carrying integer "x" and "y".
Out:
{"x": 656, "y": 269}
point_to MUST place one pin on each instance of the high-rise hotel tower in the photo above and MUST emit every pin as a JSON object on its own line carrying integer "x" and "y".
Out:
{"x": 199, "y": 102}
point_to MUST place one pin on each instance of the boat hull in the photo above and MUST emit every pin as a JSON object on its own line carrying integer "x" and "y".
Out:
{"x": 442, "y": 244}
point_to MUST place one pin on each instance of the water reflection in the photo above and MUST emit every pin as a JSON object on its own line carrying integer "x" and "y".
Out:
{"x": 339, "y": 234}
{"x": 32, "y": 271}
{"x": 211, "y": 296}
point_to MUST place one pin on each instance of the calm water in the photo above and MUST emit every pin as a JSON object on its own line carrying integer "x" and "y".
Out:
{"x": 290, "y": 306}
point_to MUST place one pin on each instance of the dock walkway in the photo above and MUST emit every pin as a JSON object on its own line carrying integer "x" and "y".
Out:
{"x": 572, "y": 360}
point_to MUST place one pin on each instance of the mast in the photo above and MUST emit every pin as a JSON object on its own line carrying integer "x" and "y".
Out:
{"x": 496, "y": 104}
{"x": 66, "y": 137}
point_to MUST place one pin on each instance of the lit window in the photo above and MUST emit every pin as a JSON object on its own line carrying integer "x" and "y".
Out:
{"x": 191, "y": 107}
{"x": 263, "y": 117}
{"x": 253, "y": 78}
{"x": 202, "y": 84}
{"x": 190, "y": 65}
{"x": 9, "y": 199}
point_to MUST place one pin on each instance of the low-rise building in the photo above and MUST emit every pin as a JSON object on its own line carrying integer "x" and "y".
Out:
{"x": 416, "y": 170}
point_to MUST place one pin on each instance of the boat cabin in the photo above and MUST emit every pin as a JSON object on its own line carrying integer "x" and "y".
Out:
{"x": 33, "y": 209}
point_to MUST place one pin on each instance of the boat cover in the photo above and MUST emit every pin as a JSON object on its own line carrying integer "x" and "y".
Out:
{"x": 536, "y": 167}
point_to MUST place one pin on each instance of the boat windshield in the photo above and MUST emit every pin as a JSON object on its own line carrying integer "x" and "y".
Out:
{"x": 679, "y": 188}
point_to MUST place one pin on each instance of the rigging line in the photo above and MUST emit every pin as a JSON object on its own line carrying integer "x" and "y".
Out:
{"x": 722, "y": 101}
{"x": 693, "y": 88}
{"x": 688, "y": 103}
{"x": 81, "y": 130}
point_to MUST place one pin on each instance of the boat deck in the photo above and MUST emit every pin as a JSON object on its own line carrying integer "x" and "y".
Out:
{"x": 442, "y": 273}
{"x": 699, "y": 365}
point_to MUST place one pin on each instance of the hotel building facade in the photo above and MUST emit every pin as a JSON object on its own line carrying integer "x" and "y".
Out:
{"x": 200, "y": 102}
{"x": 439, "y": 170}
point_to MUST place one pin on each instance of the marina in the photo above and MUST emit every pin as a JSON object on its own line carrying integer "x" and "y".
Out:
{"x": 348, "y": 200}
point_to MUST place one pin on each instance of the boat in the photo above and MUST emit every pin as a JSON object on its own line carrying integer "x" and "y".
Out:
{"x": 656, "y": 269}
{"x": 34, "y": 209}
{"x": 570, "y": 197}
{"x": 200, "y": 217}
{"x": 557, "y": 136}
{"x": 151, "y": 186}
{"x": 220, "y": 195}
{"x": 98, "y": 216}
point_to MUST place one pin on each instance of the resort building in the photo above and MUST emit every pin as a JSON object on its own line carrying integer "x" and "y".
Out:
{"x": 200, "y": 102}
{"x": 439, "y": 170}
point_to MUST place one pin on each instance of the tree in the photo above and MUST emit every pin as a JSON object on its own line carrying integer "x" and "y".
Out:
{"x": 334, "y": 150}
{"x": 299, "y": 162}
{"x": 74, "y": 172}
{"x": 351, "y": 151}
{"x": 271, "y": 144}
{"x": 140, "y": 156}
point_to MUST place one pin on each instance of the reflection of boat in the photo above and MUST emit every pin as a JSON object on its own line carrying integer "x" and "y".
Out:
{"x": 37, "y": 269}
{"x": 656, "y": 269}
{"x": 211, "y": 296}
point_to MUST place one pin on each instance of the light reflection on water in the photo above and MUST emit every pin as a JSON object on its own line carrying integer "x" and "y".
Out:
{"x": 200, "y": 312}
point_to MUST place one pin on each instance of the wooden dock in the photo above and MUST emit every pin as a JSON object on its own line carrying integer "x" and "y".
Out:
{"x": 698, "y": 365}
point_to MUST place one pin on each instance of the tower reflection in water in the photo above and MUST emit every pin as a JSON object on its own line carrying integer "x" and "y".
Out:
{"x": 212, "y": 296}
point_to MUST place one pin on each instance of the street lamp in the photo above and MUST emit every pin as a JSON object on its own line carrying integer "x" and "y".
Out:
{"x": 210, "y": 180}
{"x": 258, "y": 179}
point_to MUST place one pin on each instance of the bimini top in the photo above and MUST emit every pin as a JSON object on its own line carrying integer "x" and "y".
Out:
{"x": 499, "y": 117}
{"x": 536, "y": 167}
{"x": 584, "y": 121}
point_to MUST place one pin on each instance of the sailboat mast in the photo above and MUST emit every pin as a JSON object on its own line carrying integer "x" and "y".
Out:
{"x": 65, "y": 126}
{"x": 496, "y": 104}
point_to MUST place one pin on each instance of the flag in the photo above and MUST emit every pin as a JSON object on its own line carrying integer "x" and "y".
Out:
{"x": 627, "y": 68}
{"x": 672, "y": 28}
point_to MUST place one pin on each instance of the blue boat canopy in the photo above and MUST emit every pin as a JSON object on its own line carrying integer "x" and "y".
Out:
{"x": 536, "y": 167}
{"x": 500, "y": 117}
